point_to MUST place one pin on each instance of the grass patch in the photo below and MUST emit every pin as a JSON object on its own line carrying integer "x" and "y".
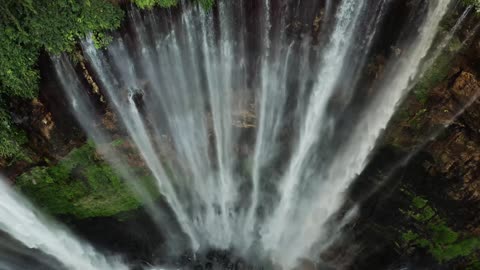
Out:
{"x": 81, "y": 185}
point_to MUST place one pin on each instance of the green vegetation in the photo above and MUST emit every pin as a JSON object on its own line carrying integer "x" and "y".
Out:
{"x": 81, "y": 185}
{"x": 29, "y": 27}
{"x": 11, "y": 139}
{"x": 475, "y": 3}
{"x": 432, "y": 77}
{"x": 207, "y": 4}
{"x": 148, "y": 4}
{"x": 431, "y": 232}
{"x": 438, "y": 71}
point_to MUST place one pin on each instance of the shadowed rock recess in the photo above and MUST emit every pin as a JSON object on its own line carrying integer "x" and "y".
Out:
{"x": 221, "y": 134}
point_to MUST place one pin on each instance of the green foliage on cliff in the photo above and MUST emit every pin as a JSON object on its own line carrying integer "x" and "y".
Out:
{"x": 151, "y": 3}
{"x": 438, "y": 71}
{"x": 148, "y": 4}
{"x": 27, "y": 27}
{"x": 475, "y": 3}
{"x": 81, "y": 185}
{"x": 432, "y": 77}
{"x": 431, "y": 232}
{"x": 11, "y": 139}
{"x": 207, "y": 4}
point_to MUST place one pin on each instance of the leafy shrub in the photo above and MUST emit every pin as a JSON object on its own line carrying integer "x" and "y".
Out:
{"x": 11, "y": 139}
{"x": 27, "y": 27}
{"x": 148, "y": 4}
{"x": 475, "y": 3}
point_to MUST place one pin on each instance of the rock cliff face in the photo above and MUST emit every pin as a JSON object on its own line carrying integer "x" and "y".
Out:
{"x": 450, "y": 118}
{"x": 447, "y": 169}
{"x": 427, "y": 175}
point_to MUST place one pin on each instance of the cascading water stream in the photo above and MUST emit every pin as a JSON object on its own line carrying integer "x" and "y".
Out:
{"x": 353, "y": 156}
{"x": 24, "y": 223}
{"x": 170, "y": 87}
{"x": 264, "y": 124}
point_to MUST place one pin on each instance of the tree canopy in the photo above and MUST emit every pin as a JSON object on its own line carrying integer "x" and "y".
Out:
{"x": 28, "y": 26}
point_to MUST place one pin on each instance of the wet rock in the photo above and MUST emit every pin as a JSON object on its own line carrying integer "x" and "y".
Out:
{"x": 450, "y": 117}
{"x": 465, "y": 91}
{"x": 109, "y": 121}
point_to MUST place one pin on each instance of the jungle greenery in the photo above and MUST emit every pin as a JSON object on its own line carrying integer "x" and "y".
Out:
{"x": 27, "y": 27}
{"x": 207, "y": 4}
{"x": 82, "y": 185}
{"x": 30, "y": 27}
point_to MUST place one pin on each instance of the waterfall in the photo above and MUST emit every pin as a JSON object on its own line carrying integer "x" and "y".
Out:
{"x": 269, "y": 122}
{"x": 353, "y": 156}
{"x": 23, "y": 222}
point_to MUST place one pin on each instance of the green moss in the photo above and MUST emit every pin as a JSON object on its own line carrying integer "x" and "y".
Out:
{"x": 207, "y": 4}
{"x": 458, "y": 249}
{"x": 81, "y": 185}
{"x": 433, "y": 233}
{"x": 27, "y": 27}
{"x": 443, "y": 235}
{"x": 432, "y": 77}
{"x": 419, "y": 202}
{"x": 416, "y": 121}
{"x": 11, "y": 138}
{"x": 117, "y": 142}
{"x": 148, "y": 4}
{"x": 409, "y": 236}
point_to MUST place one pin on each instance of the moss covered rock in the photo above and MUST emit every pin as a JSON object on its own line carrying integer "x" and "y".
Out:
{"x": 429, "y": 230}
{"x": 81, "y": 185}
